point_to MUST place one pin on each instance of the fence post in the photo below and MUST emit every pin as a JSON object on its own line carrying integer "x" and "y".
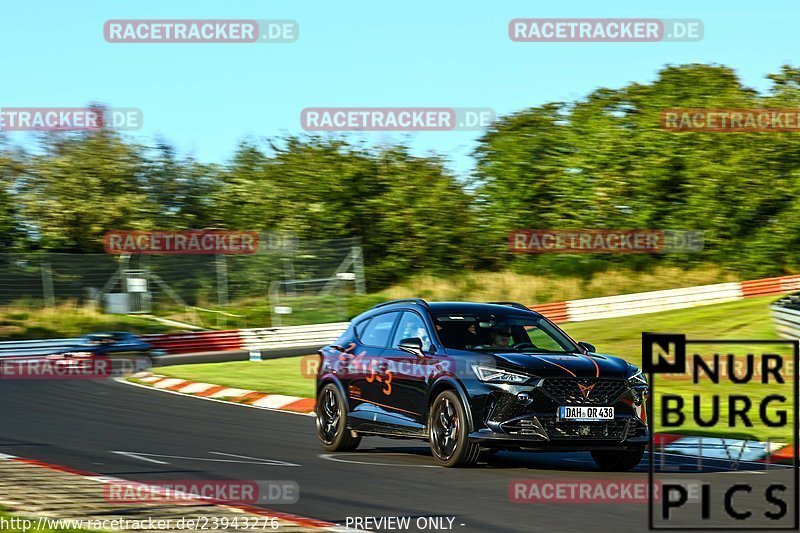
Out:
{"x": 47, "y": 285}
{"x": 222, "y": 287}
{"x": 273, "y": 297}
{"x": 288, "y": 273}
{"x": 358, "y": 269}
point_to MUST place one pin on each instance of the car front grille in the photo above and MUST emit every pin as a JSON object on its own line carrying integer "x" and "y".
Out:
{"x": 611, "y": 430}
{"x": 580, "y": 391}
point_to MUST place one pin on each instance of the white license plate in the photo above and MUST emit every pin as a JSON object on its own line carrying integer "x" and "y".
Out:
{"x": 583, "y": 413}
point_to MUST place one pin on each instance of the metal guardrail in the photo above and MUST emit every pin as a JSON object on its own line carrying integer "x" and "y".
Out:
{"x": 786, "y": 316}
{"x": 37, "y": 347}
{"x": 206, "y": 346}
{"x": 195, "y": 341}
{"x": 651, "y": 302}
{"x": 316, "y": 335}
{"x": 259, "y": 343}
{"x": 557, "y": 312}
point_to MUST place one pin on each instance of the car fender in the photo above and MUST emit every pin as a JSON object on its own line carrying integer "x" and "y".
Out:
{"x": 451, "y": 383}
{"x": 330, "y": 377}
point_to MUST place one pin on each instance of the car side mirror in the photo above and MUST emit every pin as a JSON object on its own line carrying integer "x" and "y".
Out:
{"x": 588, "y": 347}
{"x": 412, "y": 345}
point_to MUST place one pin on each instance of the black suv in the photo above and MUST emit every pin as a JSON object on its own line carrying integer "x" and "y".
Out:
{"x": 478, "y": 377}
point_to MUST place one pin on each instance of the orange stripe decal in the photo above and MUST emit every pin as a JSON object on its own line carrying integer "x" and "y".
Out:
{"x": 382, "y": 405}
{"x": 570, "y": 372}
{"x": 596, "y": 366}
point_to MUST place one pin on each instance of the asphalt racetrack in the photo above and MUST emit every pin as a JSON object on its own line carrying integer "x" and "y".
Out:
{"x": 140, "y": 434}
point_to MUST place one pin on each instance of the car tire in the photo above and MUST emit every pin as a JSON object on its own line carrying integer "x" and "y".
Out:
{"x": 331, "y": 421}
{"x": 618, "y": 461}
{"x": 448, "y": 430}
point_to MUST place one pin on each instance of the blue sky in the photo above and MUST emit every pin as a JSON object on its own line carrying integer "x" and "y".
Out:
{"x": 206, "y": 98}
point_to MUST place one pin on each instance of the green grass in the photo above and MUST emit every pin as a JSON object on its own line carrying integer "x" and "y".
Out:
{"x": 745, "y": 319}
{"x": 277, "y": 376}
{"x": 68, "y": 320}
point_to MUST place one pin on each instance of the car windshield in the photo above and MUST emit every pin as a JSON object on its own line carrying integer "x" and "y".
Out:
{"x": 501, "y": 332}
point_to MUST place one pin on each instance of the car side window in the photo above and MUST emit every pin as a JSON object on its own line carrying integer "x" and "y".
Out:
{"x": 378, "y": 330}
{"x": 360, "y": 328}
{"x": 411, "y": 325}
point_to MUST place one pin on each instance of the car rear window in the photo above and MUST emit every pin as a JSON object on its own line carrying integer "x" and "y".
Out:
{"x": 377, "y": 331}
{"x": 359, "y": 328}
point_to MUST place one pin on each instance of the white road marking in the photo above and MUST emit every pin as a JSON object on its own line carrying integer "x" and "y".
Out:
{"x": 139, "y": 456}
{"x": 255, "y": 461}
{"x": 276, "y": 462}
{"x": 259, "y": 512}
{"x": 337, "y": 458}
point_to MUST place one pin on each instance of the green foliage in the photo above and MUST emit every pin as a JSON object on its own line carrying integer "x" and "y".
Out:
{"x": 600, "y": 162}
{"x": 605, "y": 162}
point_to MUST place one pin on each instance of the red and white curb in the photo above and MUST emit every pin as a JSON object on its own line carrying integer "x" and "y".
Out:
{"x": 278, "y": 402}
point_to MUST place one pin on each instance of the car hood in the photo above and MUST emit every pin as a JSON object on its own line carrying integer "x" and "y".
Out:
{"x": 565, "y": 365}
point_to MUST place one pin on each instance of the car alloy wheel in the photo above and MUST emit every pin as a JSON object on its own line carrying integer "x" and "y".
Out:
{"x": 448, "y": 429}
{"x": 331, "y": 421}
{"x": 329, "y": 416}
{"x": 445, "y": 426}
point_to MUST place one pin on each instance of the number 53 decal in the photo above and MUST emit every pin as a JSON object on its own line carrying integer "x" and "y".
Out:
{"x": 385, "y": 377}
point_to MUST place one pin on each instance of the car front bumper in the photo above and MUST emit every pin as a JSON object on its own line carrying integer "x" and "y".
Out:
{"x": 524, "y": 416}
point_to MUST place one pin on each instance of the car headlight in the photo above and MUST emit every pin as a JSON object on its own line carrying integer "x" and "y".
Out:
{"x": 637, "y": 377}
{"x": 496, "y": 375}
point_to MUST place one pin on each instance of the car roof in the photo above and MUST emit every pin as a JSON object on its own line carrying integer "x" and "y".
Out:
{"x": 106, "y": 334}
{"x": 476, "y": 307}
{"x": 450, "y": 307}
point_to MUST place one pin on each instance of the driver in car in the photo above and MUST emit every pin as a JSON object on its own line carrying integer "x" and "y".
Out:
{"x": 501, "y": 338}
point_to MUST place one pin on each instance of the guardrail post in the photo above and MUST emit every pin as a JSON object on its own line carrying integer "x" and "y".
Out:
{"x": 47, "y": 285}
